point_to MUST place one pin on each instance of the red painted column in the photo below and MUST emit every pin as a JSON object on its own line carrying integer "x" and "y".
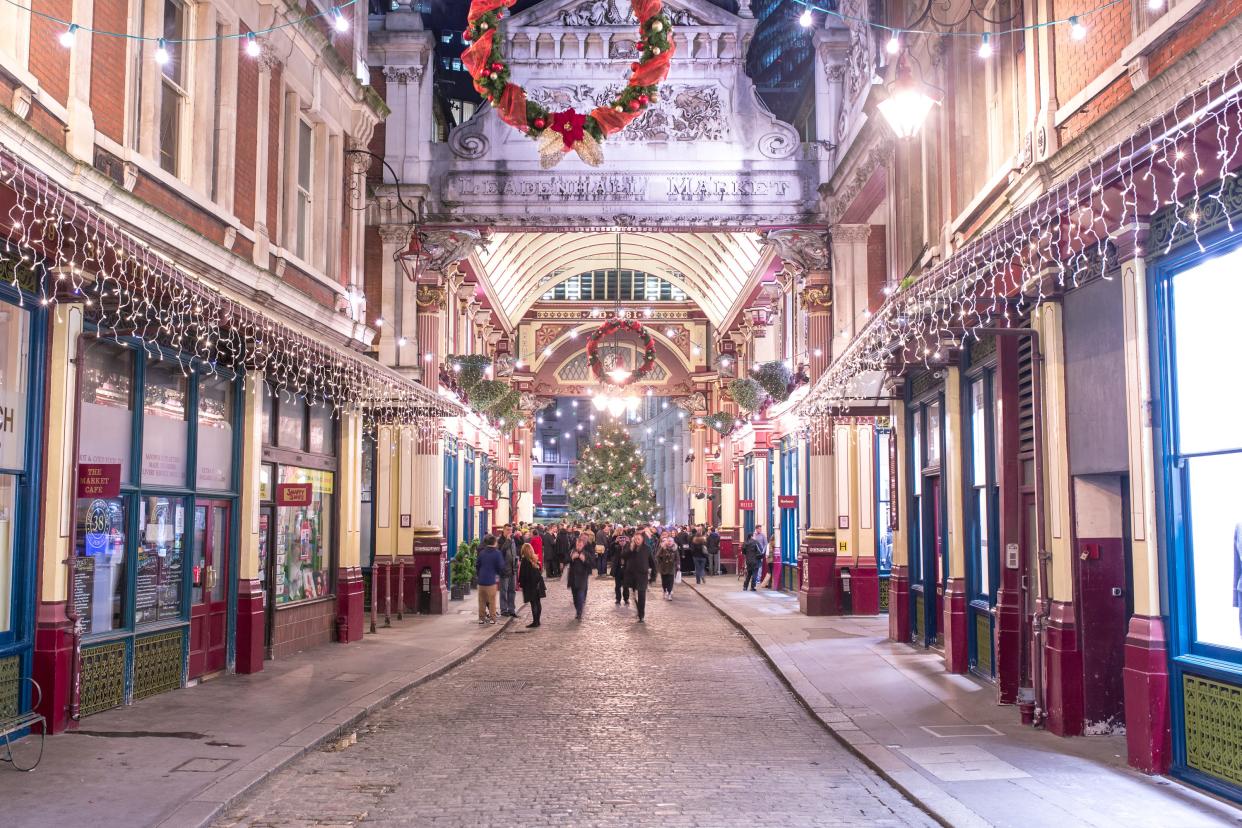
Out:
{"x": 956, "y": 653}
{"x": 899, "y": 603}
{"x": 251, "y": 619}
{"x": 430, "y": 552}
{"x": 53, "y": 664}
{"x": 349, "y": 604}
{"x": 1063, "y": 674}
{"x": 1149, "y": 739}
{"x": 865, "y": 584}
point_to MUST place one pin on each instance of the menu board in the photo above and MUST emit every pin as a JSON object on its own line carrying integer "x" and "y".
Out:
{"x": 83, "y": 584}
{"x": 146, "y": 597}
{"x": 170, "y": 586}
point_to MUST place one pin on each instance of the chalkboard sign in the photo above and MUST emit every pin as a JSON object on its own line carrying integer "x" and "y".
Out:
{"x": 83, "y": 581}
{"x": 146, "y": 597}
{"x": 170, "y": 585}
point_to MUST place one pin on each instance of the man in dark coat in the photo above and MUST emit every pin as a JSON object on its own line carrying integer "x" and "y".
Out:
{"x": 581, "y": 562}
{"x": 639, "y": 562}
{"x": 683, "y": 551}
{"x": 753, "y": 555}
{"x": 713, "y": 551}
{"x": 564, "y": 543}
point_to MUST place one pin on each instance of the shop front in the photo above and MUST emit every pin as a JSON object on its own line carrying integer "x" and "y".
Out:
{"x": 885, "y": 500}
{"x": 928, "y": 520}
{"x": 789, "y": 508}
{"x": 154, "y": 537}
{"x": 22, "y": 332}
{"x": 297, "y": 523}
{"x": 1197, "y": 292}
{"x": 981, "y": 506}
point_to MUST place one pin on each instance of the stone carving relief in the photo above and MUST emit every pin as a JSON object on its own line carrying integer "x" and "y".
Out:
{"x": 529, "y": 401}
{"x": 440, "y": 249}
{"x": 695, "y": 403}
{"x": 504, "y": 365}
{"x": 684, "y": 112}
{"x": 879, "y": 156}
{"x": 612, "y": 13}
{"x": 805, "y": 250}
{"x": 546, "y": 335}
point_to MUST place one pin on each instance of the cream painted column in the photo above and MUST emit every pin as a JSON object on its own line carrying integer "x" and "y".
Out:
{"x": 251, "y": 465}
{"x": 409, "y": 490}
{"x": 1048, "y": 320}
{"x": 60, "y": 486}
{"x": 1144, "y": 551}
{"x": 397, "y": 307}
{"x": 698, "y": 469}
{"x": 349, "y": 488}
{"x": 428, "y": 482}
{"x": 728, "y": 492}
{"x": 80, "y": 130}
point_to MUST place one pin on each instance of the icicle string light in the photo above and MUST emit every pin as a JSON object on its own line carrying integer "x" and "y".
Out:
{"x": 1182, "y": 166}
{"x": 132, "y": 292}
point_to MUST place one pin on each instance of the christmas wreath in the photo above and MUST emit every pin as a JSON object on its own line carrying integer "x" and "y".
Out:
{"x": 560, "y": 132}
{"x": 613, "y": 326}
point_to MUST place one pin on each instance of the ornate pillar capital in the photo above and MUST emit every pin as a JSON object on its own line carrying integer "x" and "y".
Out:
{"x": 803, "y": 250}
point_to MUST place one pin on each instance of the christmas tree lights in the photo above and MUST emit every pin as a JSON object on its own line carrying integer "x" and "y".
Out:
{"x": 610, "y": 484}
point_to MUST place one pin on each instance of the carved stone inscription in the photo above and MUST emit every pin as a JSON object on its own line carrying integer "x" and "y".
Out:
{"x": 614, "y": 187}
{"x": 685, "y": 112}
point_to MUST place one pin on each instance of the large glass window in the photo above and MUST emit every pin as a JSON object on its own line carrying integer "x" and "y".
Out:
{"x": 214, "y": 461}
{"x": 8, "y": 518}
{"x": 107, "y": 415}
{"x": 291, "y": 422}
{"x": 979, "y": 504}
{"x": 884, "y": 505}
{"x": 165, "y": 424}
{"x": 160, "y": 559}
{"x": 99, "y": 565}
{"x": 1209, "y": 438}
{"x": 173, "y": 95}
{"x": 14, "y": 366}
{"x": 303, "y": 538}
{"x": 933, "y": 436}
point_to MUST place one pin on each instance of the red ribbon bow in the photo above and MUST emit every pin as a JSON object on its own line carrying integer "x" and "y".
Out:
{"x": 569, "y": 125}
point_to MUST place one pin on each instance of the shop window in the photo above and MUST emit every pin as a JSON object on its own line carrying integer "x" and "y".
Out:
{"x": 291, "y": 419}
{"x": 107, "y": 383}
{"x": 173, "y": 95}
{"x": 160, "y": 559}
{"x": 267, "y": 416}
{"x": 8, "y": 515}
{"x": 884, "y": 501}
{"x": 321, "y": 429}
{"x": 303, "y": 539}
{"x": 933, "y": 436}
{"x": 214, "y": 461}
{"x": 1209, "y": 439}
{"x": 14, "y": 362}
{"x": 99, "y": 569}
{"x": 979, "y": 494}
{"x": 165, "y": 428}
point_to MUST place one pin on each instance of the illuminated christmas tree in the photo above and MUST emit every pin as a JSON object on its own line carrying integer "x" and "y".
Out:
{"x": 611, "y": 485}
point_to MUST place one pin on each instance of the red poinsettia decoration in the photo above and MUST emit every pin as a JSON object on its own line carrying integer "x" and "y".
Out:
{"x": 569, "y": 125}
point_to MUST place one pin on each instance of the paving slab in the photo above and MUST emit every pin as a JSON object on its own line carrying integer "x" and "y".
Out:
{"x": 942, "y": 738}
{"x": 178, "y": 759}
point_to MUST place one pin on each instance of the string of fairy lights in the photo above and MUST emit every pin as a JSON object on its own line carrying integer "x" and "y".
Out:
{"x": 336, "y": 18}
{"x": 132, "y": 292}
{"x": 1077, "y": 24}
{"x": 1182, "y": 165}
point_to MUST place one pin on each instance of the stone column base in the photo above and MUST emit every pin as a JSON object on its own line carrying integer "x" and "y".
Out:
{"x": 820, "y": 594}
{"x": 899, "y": 604}
{"x": 1063, "y": 677}
{"x": 1149, "y": 739}
{"x": 1008, "y": 645}
{"x": 53, "y": 665}
{"x": 349, "y": 605}
{"x": 251, "y": 626}
{"x": 956, "y": 643}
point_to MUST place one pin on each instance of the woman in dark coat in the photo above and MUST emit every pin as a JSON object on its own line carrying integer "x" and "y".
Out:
{"x": 530, "y": 579}
{"x": 698, "y": 554}
{"x": 638, "y": 563}
{"x": 581, "y": 562}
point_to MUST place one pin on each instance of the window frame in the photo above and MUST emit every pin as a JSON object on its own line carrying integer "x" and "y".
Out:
{"x": 181, "y": 58}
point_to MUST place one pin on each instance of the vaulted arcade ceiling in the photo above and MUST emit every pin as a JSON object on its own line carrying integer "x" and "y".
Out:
{"x": 715, "y": 269}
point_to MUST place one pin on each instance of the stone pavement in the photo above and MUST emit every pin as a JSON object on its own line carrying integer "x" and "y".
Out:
{"x": 179, "y": 758}
{"x": 676, "y": 722}
{"x": 943, "y": 739}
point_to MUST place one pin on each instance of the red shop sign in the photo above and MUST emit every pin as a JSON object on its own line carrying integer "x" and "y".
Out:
{"x": 490, "y": 503}
{"x": 293, "y": 494}
{"x": 99, "y": 480}
{"x": 747, "y": 505}
{"x": 787, "y": 501}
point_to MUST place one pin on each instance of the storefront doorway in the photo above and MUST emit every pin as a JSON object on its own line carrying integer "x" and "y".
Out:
{"x": 209, "y": 605}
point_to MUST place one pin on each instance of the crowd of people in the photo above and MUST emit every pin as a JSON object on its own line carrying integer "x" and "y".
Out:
{"x": 526, "y": 556}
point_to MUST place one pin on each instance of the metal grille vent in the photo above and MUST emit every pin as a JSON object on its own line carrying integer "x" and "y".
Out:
{"x": 103, "y": 678}
{"x": 1213, "y": 712}
{"x": 158, "y": 661}
{"x": 1026, "y": 400}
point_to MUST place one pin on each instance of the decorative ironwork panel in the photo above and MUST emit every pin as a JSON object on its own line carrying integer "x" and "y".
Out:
{"x": 981, "y": 349}
{"x": 158, "y": 662}
{"x": 102, "y": 678}
{"x": 883, "y": 593}
{"x": 920, "y": 608}
{"x": 1213, "y": 713}
{"x": 10, "y": 686}
{"x": 1214, "y": 208}
{"x": 983, "y": 643}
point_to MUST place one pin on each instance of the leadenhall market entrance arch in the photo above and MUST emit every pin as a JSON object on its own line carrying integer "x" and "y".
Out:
{"x": 702, "y": 225}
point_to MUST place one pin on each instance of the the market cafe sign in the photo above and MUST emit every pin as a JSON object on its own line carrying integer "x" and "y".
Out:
{"x": 99, "y": 480}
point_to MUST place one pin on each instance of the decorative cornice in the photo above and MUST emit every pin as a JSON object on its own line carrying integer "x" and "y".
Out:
{"x": 430, "y": 298}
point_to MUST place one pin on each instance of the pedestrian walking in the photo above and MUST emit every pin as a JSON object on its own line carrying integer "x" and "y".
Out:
{"x": 666, "y": 563}
{"x": 638, "y": 563}
{"x": 508, "y": 578}
{"x": 530, "y": 578}
{"x": 762, "y": 540}
{"x": 753, "y": 555}
{"x": 616, "y": 557}
{"x": 713, "y": 552}
{"x": 490, "y": 565}
{"x": 536, "y": 543}
{"x": 698, "y": 553}
{"x": 581, "y": 562}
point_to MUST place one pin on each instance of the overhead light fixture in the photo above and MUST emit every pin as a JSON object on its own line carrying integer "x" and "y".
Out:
{"x": 894, "y": 44}
{"x": 907, "y": 104}
{"x": 253, "y": 48}
{"x": 805, "y": 19}
{"x": 1077, "y": 30}
{"x": 66, "y": 37}
{"x": 161, "y": 52}
{"x": 985, "y": 48}
{"x": 619, "y": 374}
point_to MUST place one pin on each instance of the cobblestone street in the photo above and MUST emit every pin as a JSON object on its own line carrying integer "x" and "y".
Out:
{"x": 677, "y": 722}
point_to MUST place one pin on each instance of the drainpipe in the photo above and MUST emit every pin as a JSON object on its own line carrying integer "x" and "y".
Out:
{"x": 1042, "y": 606}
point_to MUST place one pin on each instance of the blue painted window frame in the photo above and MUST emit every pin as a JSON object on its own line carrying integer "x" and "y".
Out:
{"x": 1186, "y": 655}
{"x": 450, "y": 495}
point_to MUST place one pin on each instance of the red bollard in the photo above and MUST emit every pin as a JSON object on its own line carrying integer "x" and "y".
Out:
{"x": 388, "y": 594}
{"x": 400, "y": 588}
{"x": 374, "y": 593}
